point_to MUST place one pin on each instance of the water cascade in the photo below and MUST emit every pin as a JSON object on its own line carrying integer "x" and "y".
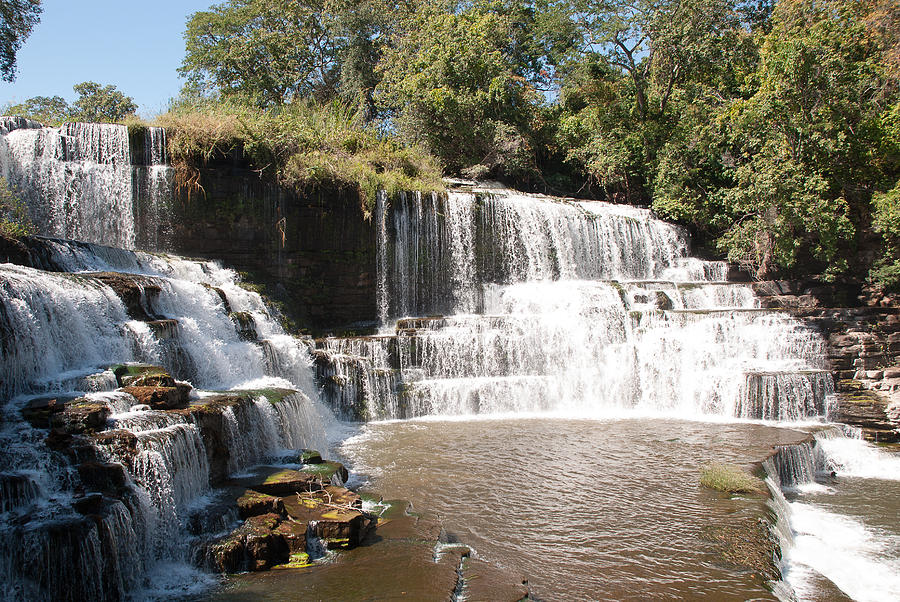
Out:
{"x": 828, "y": 521}
{"x": 98, "y": 183}
{"x": 72, "y": 332}
{"x": 565, "y": 307}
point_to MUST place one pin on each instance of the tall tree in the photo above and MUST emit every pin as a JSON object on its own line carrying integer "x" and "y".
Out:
{"x": 644, "y": 74}
{"x": 811, "y": 141}
{"x": 46, "y": 109}
{"x": 101, "y": 103}
{"x": 266, "y": 50}
{"x": 17, "y": 20}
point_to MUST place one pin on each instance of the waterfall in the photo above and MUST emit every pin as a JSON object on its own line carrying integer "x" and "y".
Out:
{"x": 576, "y": 307}
{"x": 823, "y": 534}
{"x": 113, "y": 511}
{"x": 92, "y": 182}
{"x": 153, "y": 188}
{"x": 75, "y": 179}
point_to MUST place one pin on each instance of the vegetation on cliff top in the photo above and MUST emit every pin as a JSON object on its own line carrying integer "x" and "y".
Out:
{"x": 301, "y": 144}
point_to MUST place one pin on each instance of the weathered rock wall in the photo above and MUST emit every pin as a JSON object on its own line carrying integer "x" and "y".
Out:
{"x": 862, "y": 330}
{"x": 315, "y": 254}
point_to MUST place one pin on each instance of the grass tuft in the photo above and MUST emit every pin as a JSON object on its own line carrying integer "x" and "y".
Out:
{"x": 730, "y": 479}
{"x": 303, "y": 146}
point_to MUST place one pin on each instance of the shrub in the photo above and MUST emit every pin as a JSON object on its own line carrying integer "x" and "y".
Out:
{"x": 301, "y": 145}
{"x": 14, "y": 220}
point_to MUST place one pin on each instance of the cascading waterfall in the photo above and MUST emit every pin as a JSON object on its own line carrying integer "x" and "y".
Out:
{"x": 153, "y": 181}
{"x": 581, "y": 307}
{"x": 76, "y": 180}
{"x": 816, "y": 488}
{"x": 62, "y": 334}
{"x": 92, "y": 182}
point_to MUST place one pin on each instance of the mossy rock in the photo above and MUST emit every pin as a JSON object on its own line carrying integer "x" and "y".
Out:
{"x": 297, "y": 560}
{"x": 282, "y": 483}
{"x": 253, "y": 503}
{"x": 309, "y": 456}
{"x": 326, "y": 471}
{"x": 126, "y": 373}
{"x": 273, "y": 396}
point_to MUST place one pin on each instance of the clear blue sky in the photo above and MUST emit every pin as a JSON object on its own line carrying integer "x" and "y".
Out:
{"x": 136, "y": 46}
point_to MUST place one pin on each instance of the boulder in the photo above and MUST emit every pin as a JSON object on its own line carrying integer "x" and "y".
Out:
{"x": 161, "y": 397}
{"x": 328, "y": 472}
{"x": 137, "y": 292}
{"x": 39, "y": 411}
{"x": 81, "y": 416}
{"x": 333, "y": 514}
{"x": 284, "y": 482}
{"x": 253, "y": 503}
{"x": 102, "y": 476}
{"x": 254, "y": 546}
{"x": 126, "y": 374}
{"x": 662, "y": 301}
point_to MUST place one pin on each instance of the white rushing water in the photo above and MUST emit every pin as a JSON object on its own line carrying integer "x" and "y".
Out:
{"x": 83, "y": 181}
{"x": 839, "y": 518}
{"x": 61, "y": 332}
{"x": 570, "y": 307}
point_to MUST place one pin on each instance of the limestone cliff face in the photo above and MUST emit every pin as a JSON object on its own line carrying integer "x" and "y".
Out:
{"x": 315, "y": 254}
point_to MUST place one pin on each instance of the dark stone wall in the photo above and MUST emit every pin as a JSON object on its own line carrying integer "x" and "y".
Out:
{"x": 313, "y": 254}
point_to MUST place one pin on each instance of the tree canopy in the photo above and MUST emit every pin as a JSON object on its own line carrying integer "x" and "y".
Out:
{"x": 94, "y": 103}
{"x": 17, "y": 20}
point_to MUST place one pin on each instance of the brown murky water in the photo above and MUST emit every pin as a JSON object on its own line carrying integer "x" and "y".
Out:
{"x": 587, "y": 509}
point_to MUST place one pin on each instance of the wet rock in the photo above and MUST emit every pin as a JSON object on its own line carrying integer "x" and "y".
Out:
{"x": 207, "y": 413}
{"x": 92, "y": 504}
{"x": 119, "y": 443}
{"x": 161, "y": 397}
{"x": 662, "y": 301}
{"x": 333, "y": 515}
{"x": 867, "y": 410}
{"x": 16, "y": 491}
{"x": 311, "y": 456}
{"x": 164, "y": 330}
{"x": 81, "y": 416}
{"x": 127, "y": 374}
{"x": 253, "y": 503}
{"x": 39, "y": 411}
{"x": 244, "y": 325}
{"x": 138, "y": 293}
{"x": 102, "y": 476}
{"x": 328, "y": 472}
{"x": 254, "y": 546}
{"x": 283, "y": 482}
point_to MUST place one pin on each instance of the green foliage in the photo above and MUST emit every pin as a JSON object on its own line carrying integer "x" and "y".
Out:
{"x": 14, "y": 220}
{"x": 301, "y": 145}
{"x": 641, "y": 94}
{"x": 266, "y": 50}
{"x": 807, "y": 142}
{"x": 886, "y": 221}
{"x": 101, "y": 103}
{"x": 730, "y": 479}
{"x": 48, "y": 110}
{"x": 17, "y": 20}
{"x": 270, "y": 52}
{"x": 451, "y": 82}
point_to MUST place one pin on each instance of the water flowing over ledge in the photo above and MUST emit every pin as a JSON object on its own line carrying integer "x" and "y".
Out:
{"x": 70, "y": 338}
